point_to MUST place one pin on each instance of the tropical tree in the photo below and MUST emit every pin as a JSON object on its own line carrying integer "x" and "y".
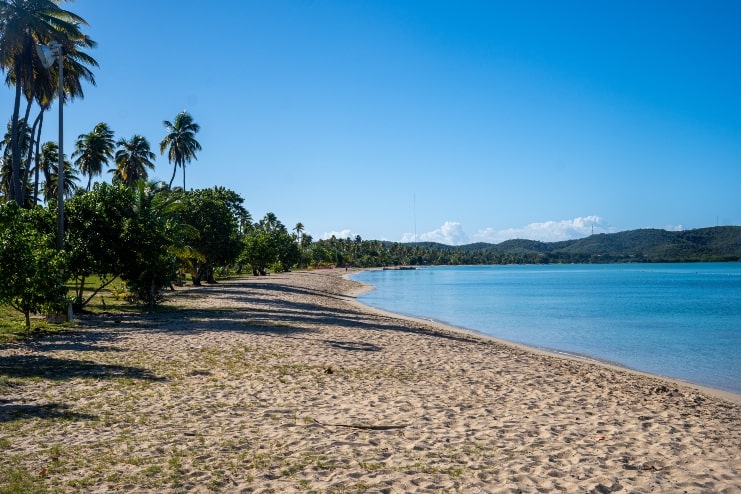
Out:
{"x": 6, "y": 170}
{"x": 147, "y": 260}
{"x": 299, "y": 228}
{"x": 23, "y": 25}
{"x": 271, "y": 222}
{"x": 46, "y": 90}
{"x": 93, "y": 150}
{"x": 269, "y": 245}
{"x": 49, "y": 163}
{"x": 133, "y": 159}
{"x": 214, "y": 214}
{"x": 180, "y": 142}
{"x": 32, "y": 268}
{"x": 95, "y": 221}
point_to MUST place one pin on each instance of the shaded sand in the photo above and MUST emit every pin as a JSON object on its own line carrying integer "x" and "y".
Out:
{"x": 282, "y": 384}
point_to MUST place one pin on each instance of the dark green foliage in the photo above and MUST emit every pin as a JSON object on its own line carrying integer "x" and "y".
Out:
{"x": 33, "y": 271}
{"x": 214, "y": 215}
{"x": 124, "y": 231}
{"x": 95, "y": 221}
{"x": 147, "y": 262}
{"x": 269, "y": 245}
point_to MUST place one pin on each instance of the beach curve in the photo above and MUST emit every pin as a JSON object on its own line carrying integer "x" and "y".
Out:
{"x": 285, "y": 383}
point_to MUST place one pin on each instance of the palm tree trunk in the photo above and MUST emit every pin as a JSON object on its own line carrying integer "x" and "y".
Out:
{"x": 174, "y": 171}
{"x": 27, "y": 167}
{"x": 15, "y": 177}
{"x": 38, "y": 160}
{"x": 183, "y": 177}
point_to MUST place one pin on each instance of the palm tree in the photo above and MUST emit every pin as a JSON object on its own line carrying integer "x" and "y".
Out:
{"x": 271, "y": 222}
{"x": 93, "y": 150}
{"x": 49, "y": 163}
{"x": 6, "y": 171}
{"x": 132, "y": 160}
{"x": 23, "y": 25}
{"x": 181, "y": 139}
{"x": 48, "y": 160}
{"x": 299, "y": 228}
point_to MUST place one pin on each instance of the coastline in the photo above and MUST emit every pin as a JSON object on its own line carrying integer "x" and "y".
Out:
{"x": 723, "y": 394}
{"x": 287, "y": 383}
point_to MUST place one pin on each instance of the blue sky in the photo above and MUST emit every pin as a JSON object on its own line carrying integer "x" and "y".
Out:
{"x": 436, "y": 120}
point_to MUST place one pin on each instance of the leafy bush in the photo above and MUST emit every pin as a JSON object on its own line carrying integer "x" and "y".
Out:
{"x": 33, "y": 271}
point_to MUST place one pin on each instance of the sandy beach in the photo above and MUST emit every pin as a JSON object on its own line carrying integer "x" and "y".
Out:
{"x": 285, "y": 383}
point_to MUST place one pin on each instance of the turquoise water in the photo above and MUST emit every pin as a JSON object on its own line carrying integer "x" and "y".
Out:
{"x": 677, "y": 320}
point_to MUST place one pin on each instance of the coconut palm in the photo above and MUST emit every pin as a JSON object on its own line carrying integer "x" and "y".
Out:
{"x": 299, "y": 228}
{"x": 132, "y": 160}
{"x": 6, "y": 170}
{"x": 93, "y": 150}
{"x": 49, "y": 163}
{"x": 181, "y": 141}
{"x": 271, "y": 222}
{"x": 23, "y": 25}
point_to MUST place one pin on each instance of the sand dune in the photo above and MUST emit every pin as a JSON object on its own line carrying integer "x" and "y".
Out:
{"x": 285, "y": 384}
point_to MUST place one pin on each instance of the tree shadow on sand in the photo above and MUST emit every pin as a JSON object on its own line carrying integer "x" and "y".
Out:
{"x": 360, "y": 346}
{"x": 252, "y": 312}
{"x": 73, "y": 340}
{"x": 10, "y": 412}
{"x": 45, "y": 367}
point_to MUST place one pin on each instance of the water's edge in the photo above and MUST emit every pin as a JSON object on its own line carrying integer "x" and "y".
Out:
{"x": 353, "y": 299}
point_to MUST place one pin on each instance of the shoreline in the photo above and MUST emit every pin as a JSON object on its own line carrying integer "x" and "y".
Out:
{"x": 287, "y": 383}
{"x": 719, "y": 393}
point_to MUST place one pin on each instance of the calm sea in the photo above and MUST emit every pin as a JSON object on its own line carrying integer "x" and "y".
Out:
{"x": 677, "y": 320}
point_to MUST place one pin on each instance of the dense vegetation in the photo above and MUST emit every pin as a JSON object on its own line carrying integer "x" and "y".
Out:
{"x": 648, "y": 245}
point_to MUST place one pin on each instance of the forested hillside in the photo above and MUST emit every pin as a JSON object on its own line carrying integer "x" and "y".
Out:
{"x": 646, "y": 245}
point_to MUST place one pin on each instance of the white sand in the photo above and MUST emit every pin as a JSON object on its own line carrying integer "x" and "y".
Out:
{"x": 283, "y": 384}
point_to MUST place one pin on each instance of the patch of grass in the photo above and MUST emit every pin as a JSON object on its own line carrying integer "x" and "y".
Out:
{"x": 13, "y": 325}
{"x": 16, "y": 480}
{"x": 304, "y": 484}
{"x": 176, "y": 464}
{"x": 152, "y": 470}
{"x": 371, "y": 466}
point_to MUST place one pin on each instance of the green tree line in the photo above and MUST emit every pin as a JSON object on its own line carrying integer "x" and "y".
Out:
{"x": 722, "y": 243}
{"x": 150, "y": 235}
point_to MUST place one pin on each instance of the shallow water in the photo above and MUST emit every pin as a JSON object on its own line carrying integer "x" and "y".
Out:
{"x": 677, "y": 320}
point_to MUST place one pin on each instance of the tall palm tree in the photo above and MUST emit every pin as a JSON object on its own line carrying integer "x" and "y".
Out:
{"x": 6, "y": 170}
{"x": 49, "y": 162}
{"x": 299, "y": 228}
{"x": 46, "y": 90}
{"x": 271, "y": 222}
{"x": 93, "y": 150}
{"x": 182, "y": 143}
{"x": 132, "y": 160}
{"x": 23, "y": 25}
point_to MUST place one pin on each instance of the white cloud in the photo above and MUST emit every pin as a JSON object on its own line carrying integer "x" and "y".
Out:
{"x": 548, "y": 231}
{"x": 450, "y": 233}
{"x": 674, "y": 228}
{"x": 340, "y": 234}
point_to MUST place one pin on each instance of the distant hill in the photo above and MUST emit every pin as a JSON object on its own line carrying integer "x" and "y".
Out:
{"x": 721, "y": 243}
